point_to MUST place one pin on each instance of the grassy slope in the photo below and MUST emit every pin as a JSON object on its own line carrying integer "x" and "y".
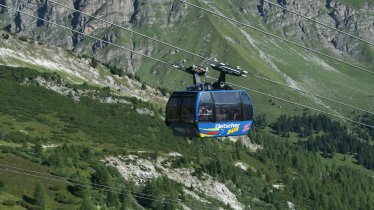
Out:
{"x": 57, "y": 119}
{"x": 113, "y": 128}
{"x": 349, "y": 161}
{"x": 20, "y": 187}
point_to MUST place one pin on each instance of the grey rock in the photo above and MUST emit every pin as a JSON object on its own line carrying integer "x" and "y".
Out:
{"x": 165, "y": 14}
{"x": 127, "y": 13}
{"x": 330, "y": 12}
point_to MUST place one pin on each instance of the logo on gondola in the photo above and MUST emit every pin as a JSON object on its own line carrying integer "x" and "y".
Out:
{"x": 209, "y": 131}
{"x": 231, "y": 125}
{"x": 233, "y": 130}
{"x": 246, "y": 128}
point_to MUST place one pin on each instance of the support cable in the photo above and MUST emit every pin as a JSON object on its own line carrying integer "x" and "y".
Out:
{"x": 298, "y": 104}
{"x": 278, "y": 37}
{"x": 209, "y": 59}
{"x": 320, "y": 23}
{"x": 170, "y": 64}
{"x": 129, "y": 30}
{"x": 46, "y": 176}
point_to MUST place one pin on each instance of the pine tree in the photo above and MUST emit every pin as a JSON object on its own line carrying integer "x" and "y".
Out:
{"x": 101, "y": 176}
{"x": 77, "y": 189}
{"x": 151, "y": 189}
{"x": 38, "y": 149}
{"x": 127, "y": 201}
{"x": 112, "y": 200}
{"x": 40, "y": 196}
{"x": 87, "y": 204}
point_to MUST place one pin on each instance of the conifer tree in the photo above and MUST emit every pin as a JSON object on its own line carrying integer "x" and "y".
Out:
{"x": 87, "y": 204}
{"x": 127, "y": 201}
{"x": 101, "y": 176}
{"x": 38, "y": 149}
{"x": 112, "y": 200}
{"x": 40, "y": 196}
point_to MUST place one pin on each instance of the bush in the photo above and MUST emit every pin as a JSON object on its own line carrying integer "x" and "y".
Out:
{"x": 17, "y": 137}
{"x": 66, "y": 198}
{"x": 23, "y": 38}
{"x": 115, "y": 70}
{"x": 94, "y": 63}
{"x": 137, "y": 78}
{"x": 24, "y": 204}
{"x": 9, "y": 202}
{"x": 130, "y": 76}
{"x": 2, "y": 183}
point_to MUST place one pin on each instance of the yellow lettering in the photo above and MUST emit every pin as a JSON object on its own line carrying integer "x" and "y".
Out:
{"x": 233, "y": 130}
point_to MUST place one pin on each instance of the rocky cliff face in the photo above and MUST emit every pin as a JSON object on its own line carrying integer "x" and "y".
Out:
{"x": 165, "y": 14}
{"x": 127, "y": 13}
{"x": 330, "y": 12}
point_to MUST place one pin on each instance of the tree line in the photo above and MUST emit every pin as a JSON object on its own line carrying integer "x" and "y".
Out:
{"x": 328, "y": 136}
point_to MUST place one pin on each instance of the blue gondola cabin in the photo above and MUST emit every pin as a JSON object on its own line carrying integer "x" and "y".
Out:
{"x": 215, "y": 113}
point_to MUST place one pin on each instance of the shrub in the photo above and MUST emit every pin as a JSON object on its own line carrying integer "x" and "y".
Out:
{"x": 9, "y": 202}
{"x": 115, "y": 70}
{"x": 24, "y": 204}
{"x": 137, "y": 78}
{"x": 65, "y": 197}
{"x": 130, "y": 76}
{"x": 23, "y": 38}
{"x": 94, "y": 63}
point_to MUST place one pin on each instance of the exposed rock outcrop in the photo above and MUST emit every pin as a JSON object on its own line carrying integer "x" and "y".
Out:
{"x": 166, "y": 14}
{"x": 140, "y": 170}
{"x": 329, "y": 12}
{"x": 127, "y": 13}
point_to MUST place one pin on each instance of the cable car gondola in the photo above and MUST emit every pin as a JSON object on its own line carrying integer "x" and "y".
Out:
{"x": 210, "y": 110}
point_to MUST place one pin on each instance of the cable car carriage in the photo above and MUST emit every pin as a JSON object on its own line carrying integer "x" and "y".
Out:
{"x": 210, "y": 110}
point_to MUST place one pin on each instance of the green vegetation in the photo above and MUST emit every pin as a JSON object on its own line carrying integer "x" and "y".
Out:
{"x": 84, "y": 133}
{"x": 330, "y": 136}
{"x": 115, "y": 70}
{"x": 40, "y": 196}
{"x": 310, "y": 183}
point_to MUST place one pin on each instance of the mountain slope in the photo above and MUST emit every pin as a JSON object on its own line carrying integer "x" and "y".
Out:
{"x": 182, "y": 25}
{"x": 99, "y": 144}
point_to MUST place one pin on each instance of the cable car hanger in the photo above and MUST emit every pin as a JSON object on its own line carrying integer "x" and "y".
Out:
{"x": 210, "y": 109}
{"x": 198, "y": 71}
